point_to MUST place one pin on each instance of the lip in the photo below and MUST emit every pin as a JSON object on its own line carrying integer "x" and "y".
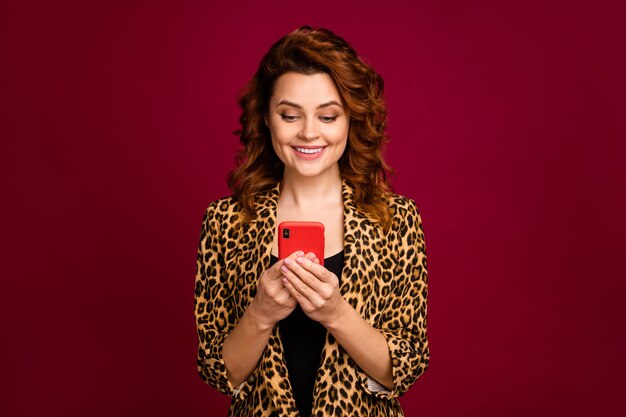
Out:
{"x": 309, "y": 156}
{"x": 309, "y": 146}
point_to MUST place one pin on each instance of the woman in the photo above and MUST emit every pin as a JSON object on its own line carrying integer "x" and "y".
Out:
{"x": 292, "y": 337}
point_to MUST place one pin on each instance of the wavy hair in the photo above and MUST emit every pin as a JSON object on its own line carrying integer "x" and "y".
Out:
{"x": 309, "y": 51}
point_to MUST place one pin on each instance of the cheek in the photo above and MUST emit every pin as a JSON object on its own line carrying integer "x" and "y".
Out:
{"x": 282, "y": 134}
{"x": 338, "y": 133}
{"x": 278, "y": 143}
{"x": 278, "y": 149}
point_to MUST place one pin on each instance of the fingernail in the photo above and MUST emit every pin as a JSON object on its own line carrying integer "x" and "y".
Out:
{"x": 284, "y": 269}
{"x": 287, "y": 261}
{"x": 300, "y": 260}
{"x": 299, "y": 253}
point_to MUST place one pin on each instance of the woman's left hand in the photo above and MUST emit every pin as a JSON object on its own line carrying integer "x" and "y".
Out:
{"x": 315, "y": 288}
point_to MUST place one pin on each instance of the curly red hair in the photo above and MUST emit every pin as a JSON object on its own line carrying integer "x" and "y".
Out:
{"x": 310, "y": 51}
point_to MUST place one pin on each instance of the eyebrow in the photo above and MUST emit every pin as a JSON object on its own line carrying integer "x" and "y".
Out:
{"x": 321, "y": 106}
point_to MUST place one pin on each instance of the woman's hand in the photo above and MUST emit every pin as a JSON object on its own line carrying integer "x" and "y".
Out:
{"x": 273, "y": 302}
{"x": 315, "y": 288}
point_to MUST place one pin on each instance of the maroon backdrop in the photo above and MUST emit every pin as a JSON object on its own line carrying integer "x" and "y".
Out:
{"x": 507, "y": 127}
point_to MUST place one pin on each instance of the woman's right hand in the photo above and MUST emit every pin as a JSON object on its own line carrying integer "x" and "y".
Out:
{"x": 273, "y": 301}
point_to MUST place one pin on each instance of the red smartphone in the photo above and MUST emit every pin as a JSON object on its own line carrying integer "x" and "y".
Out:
{"x": 305, "y": 236}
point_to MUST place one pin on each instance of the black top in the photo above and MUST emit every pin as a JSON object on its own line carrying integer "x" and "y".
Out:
{"x": 303, "y": 340}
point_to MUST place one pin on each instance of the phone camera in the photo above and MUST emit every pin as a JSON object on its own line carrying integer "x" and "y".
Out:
{"x": 286, "y": 233}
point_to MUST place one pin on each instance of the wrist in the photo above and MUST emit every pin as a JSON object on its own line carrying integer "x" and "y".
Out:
{"x": 341, "y": 315}
{"x": 257, "y": 318}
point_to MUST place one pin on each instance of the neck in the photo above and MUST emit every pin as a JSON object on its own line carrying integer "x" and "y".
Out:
{"x": 308, "y": 193}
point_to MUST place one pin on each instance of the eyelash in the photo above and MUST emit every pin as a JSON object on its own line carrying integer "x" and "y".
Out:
{"x": 326, "y": 119}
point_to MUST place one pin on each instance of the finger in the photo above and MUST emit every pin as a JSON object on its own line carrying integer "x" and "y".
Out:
{"x": 296, "y": 274}
{"x": 315, "y": 269}
{"x": 283, "y": 297}
{"x": 300, "y": 298}
{"x": 274, "y": 271}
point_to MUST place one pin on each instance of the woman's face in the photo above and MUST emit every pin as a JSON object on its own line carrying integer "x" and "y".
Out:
{"x": 308, "y": 124}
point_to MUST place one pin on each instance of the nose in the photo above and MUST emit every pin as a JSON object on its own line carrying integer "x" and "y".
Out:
{"x": 309, "y": 129}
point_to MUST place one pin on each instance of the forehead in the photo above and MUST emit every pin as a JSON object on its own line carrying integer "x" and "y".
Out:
{"x": 305, "y": 89}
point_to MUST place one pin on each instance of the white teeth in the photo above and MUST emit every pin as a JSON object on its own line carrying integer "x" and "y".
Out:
{"x": 318, "y": 150}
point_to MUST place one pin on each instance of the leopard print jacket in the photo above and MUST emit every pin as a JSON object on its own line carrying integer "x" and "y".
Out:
{"x": 384, "y": 278}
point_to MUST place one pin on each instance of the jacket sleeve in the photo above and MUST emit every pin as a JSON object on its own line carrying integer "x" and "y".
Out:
{"x": 213, "y": 310}
{"x": 403, "y": 320}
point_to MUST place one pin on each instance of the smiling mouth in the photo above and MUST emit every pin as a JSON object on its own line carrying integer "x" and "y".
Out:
{"x": 309, "y": 151}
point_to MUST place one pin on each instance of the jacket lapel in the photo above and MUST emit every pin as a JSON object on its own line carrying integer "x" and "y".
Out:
{"x": 256, "y": 252}
{"x": 361, "y": 236}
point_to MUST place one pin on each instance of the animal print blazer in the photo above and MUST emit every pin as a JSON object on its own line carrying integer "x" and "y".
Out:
{"x": 384, "y": 278}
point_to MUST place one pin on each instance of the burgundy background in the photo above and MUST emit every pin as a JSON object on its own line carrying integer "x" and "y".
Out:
{"x": 507, "y": 128}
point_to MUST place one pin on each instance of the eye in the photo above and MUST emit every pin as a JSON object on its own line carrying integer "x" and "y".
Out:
{"x": 288, "y": 117}
{"x": 328, "y": 119}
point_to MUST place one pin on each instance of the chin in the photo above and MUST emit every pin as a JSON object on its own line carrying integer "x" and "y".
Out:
{"x": 310, "y": 173}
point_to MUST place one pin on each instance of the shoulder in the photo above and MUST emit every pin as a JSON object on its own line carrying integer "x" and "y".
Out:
{"x": 221, "y": 213}
{"x": 224, "y": 206}
{"x": 401, "y": 206}
{"x": 232, "y": 206}
{"x": 406, "y": 217}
